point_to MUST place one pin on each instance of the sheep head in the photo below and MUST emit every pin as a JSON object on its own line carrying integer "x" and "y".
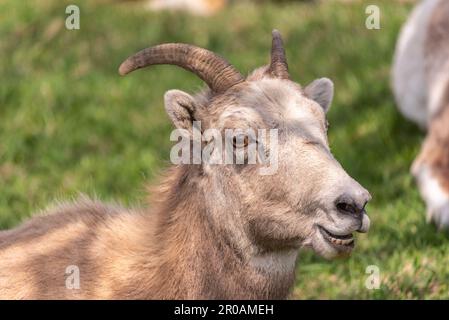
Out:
{"x": 309, "y": 200}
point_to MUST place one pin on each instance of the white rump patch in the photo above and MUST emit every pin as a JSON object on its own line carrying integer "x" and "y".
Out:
{"x": 409, "y": 79}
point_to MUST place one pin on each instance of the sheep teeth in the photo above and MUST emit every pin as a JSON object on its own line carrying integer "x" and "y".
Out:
{"x": 342, "y": 240}
{"x": 347, "y": 242}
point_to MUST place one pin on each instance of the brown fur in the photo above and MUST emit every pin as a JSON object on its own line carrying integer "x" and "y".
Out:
{"x": 132, "y": 255}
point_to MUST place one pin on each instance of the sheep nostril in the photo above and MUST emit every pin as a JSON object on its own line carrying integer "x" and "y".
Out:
{"x": 345, "y": 207}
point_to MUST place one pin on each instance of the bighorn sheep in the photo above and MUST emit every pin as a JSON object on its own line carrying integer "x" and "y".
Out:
{"x": 421, "y": 87}
{"x": 212, "y": 231}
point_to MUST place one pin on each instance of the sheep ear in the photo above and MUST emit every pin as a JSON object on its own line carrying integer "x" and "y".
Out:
{"x": 321, "y": 91}
{"x": 180, "y": 107}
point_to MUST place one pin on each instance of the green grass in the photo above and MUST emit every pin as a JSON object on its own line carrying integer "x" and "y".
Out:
{"x": 69, "y": 123}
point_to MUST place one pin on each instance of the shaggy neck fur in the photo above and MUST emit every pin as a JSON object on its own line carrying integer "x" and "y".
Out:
{"x": 200, "y": 255}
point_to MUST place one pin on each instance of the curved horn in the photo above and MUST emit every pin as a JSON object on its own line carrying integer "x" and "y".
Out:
{"x": 211, "y": 68}
{"x": 278, "y": 66}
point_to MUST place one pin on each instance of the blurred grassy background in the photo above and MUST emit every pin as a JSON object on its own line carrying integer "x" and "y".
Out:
{"x": 69, "y": 123}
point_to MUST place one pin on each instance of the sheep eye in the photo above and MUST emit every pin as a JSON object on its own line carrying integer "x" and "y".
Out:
{"x": 312, "y": 142}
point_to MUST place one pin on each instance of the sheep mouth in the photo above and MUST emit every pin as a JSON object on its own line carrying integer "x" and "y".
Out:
{"x": 343, "y": 241}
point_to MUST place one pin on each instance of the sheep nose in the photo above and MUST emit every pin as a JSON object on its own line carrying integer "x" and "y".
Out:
{"x": 353, "y": 203}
